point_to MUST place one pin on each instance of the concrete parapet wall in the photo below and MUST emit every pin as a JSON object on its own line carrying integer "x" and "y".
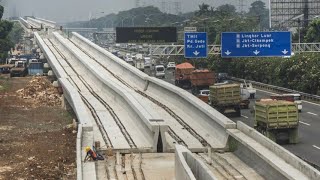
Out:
{"x": 25, "y": 24}
{"x": 117, "y": 65}
{"x": 78, "y": 153}
{"x": 287, "y": 156}
{"x": 34, "y": 22}
{"x": 122, "y": 95}
{"x": 52, "y": 61}
{"x": 85, "y": 130}
{"x": 187, "y": 167}
{"x": 175, "y": 95}
{"x": 192, "y": 106}
{"x": 47, "y": 23}
{"x": 75, "y": 101}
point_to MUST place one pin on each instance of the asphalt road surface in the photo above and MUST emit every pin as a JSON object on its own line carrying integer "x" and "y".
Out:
{"x": 308, "y": 147}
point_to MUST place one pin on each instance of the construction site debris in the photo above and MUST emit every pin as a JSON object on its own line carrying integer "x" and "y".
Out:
{"x": 41, "y": 92}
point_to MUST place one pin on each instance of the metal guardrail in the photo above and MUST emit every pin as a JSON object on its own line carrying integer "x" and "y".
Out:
{"x": 305, "y": 96}
{"x": 178, "y": 50}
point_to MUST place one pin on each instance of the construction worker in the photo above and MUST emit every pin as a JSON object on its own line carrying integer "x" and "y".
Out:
{"x": 91, "y": 154}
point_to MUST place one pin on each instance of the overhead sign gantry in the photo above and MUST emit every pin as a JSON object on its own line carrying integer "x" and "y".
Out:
{"x": 255, "y": 44}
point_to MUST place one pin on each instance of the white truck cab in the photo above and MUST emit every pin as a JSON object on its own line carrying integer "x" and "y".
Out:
{"x": 249, "y": 87}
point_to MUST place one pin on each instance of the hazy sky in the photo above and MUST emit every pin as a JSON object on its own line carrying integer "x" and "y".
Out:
{"x": 74, "y": 10}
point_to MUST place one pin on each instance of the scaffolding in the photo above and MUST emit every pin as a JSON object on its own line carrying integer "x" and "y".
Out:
{"x": 284, "y": 13}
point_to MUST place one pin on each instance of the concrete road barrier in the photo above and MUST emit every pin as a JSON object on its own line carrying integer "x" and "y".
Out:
{"x": 194, "y": 107}
{"x": 124, "y": 98}
{"x": 85, "y": 130}
{"x": 254, "y": 149}
{"x": 187, "y": 167}
{"x": 117, "y": 65}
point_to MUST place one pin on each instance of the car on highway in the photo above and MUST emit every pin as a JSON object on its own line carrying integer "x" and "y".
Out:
{"x": 171, "y": 65}
{"x": 147, "y": 62}
{"x": 129, "y": 61}
{"x": 204, "y": 92}
{"x": 160, "y": 71}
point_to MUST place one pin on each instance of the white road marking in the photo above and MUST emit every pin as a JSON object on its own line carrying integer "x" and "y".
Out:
{"x": 244, "y": 116}
{"x": 316, "y": 147}
{"x": 312, "y": 113}
{"x": 311, "y": 103}
{"x": 304, "y": 123}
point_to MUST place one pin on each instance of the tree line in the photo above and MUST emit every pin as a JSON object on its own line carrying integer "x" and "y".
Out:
{"x": 10, "y": 34}
{"x": 300, "y": 72}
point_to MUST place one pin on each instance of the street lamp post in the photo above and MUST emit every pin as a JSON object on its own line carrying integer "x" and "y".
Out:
{"x": 132, "y": 19}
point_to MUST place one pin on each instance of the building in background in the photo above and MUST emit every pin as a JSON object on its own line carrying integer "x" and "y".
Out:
{"x": 286, "y": 14}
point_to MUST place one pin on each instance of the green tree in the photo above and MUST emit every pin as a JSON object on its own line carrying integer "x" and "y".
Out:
{"x": 226, "y": 10}
{"x": 1, "y": 11}
{"x": 260, "y": 12}
{"x": 15, "y": 34}
{"x": 203, "y": 10}
{"x": 5, "y": 43}
{"x": 313, "y": 31}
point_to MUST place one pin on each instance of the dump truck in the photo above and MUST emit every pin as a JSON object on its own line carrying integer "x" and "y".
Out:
{"x": 5, "y": 68}
{"x": 20, "y": 69}
{"x": 278, "y": 120}
{"x": 200, "y": 80}
{"x": 182, "y": 75}
{"x": 226, "y": 98}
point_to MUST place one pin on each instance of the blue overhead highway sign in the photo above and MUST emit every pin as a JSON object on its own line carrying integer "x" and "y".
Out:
{"x": 195, "y": 45}
{"x": 255, "y": 44}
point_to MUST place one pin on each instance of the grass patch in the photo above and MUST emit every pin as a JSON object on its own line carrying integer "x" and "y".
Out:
{"x": 4, "y": 84}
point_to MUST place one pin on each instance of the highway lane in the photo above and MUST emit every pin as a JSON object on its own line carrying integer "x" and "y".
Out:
{"x": 309, "y": 129}
{"x": 309, "y": 146}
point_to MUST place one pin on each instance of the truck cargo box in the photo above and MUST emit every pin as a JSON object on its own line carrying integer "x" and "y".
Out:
{"x": 202, "y": 78}
{"x": 276, "y": 114}
{"x": 35, "y": 68}
{"x": 183, "y": 71}
{"x": 225, "y": 94}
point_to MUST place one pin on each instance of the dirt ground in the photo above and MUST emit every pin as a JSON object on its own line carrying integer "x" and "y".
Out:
{"x": 36, "y": 142}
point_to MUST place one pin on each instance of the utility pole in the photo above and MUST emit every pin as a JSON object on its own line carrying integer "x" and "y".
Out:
{"x": 306, "y": 13}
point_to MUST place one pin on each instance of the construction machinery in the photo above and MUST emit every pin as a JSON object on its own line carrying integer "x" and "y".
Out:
{"x": 277, "y": 120}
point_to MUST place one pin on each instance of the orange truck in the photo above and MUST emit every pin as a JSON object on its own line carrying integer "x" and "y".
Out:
{"x": 201, "y": 80}
{"x": 187, "y": 77}
{"x": 182, "y": 75}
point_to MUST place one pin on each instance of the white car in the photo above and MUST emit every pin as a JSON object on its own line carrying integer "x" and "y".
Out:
{"x": 204, "y": 92}
{"x": 171, "y": 65}
{"x": 160, "y": 71}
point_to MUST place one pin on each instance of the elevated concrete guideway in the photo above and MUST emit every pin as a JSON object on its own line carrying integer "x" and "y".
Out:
{"x": 130, "y": 112}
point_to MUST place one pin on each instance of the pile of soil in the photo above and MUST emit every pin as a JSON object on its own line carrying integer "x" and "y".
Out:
{"x": 40, "y": 92}
{"x": 37, "y": 142}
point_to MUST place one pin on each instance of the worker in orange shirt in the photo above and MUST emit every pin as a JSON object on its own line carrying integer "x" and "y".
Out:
{"x": 92, "y": 155}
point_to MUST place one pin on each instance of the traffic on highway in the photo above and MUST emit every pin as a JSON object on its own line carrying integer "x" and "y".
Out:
{"x": 222, "y": 91}
{"x": 306, "y": 146}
